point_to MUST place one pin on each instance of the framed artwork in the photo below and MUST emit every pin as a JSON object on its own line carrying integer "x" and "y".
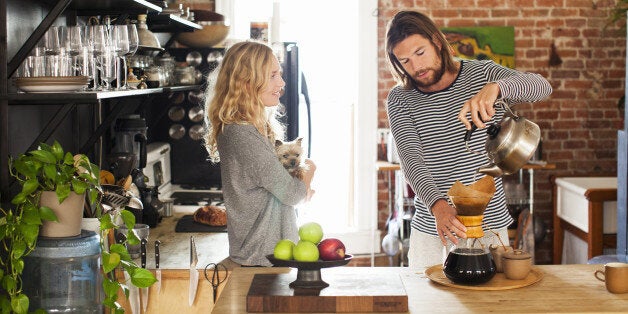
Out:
{"x": 483, "y": 42}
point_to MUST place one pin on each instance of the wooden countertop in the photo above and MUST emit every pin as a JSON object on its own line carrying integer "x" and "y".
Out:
{"x": 564, "y": 288}
{"x": 175, "y": 246}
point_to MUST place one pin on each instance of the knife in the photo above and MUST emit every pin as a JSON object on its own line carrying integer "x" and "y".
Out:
{"x": 193, "y": 271}
{"x": 144, "y": 291}
{"x": 157, "y": 270}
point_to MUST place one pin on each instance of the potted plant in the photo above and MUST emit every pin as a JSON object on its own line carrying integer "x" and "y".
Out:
{"x": 46, "y": 170}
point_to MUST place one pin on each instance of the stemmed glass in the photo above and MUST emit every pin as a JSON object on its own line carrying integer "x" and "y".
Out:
{"x": 107, "y": 64}
{"x": 120, "y": 46}
{"x": 133, "y": 45}
{"x": 96, "y": 36}
{"x": 52, "y": 45}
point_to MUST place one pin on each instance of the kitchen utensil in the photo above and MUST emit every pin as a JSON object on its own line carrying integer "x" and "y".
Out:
{"x": 510, "y": 143}
{"x": 144, "y": 291}
{"x": 216, "y": 279}
{"x": 157, "y": 269}
{"x": 193, "y": 271}
{"x": 194, "y": 58}
{"x": 146, "y": 38}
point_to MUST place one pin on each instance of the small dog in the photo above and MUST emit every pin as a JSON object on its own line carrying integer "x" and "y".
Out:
{"x": 290, "y": 154}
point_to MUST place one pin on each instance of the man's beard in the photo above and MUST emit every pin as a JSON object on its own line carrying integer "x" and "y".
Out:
{"x": 438, "y": 74}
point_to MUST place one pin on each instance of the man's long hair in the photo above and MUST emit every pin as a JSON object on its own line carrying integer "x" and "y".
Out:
{"x": 405, "y": 24}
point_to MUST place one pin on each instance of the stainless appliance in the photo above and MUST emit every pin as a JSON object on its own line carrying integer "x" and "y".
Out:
{"x": 158, "y": 174}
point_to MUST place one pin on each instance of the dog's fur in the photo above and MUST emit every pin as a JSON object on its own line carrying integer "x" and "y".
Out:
{"x": 290, "y": 154}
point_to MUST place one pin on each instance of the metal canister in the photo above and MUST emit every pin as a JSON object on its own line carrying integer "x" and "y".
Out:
{"x": 62, "y": 275}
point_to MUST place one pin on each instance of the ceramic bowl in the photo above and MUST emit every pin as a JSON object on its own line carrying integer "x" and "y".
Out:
{"x": 212, "y": 34}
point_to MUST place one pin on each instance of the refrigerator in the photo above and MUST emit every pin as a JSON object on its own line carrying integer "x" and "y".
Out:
{"x": 295, "y": 100}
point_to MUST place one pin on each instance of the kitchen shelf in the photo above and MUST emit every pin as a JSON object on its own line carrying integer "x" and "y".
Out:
{"x": 89, "y": 96}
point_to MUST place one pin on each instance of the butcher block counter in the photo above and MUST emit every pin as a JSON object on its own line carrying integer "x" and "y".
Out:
{"x": 563, "y": 288}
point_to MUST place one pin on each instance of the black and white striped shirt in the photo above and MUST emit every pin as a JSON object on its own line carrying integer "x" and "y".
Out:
{"x": 430, "y": 139}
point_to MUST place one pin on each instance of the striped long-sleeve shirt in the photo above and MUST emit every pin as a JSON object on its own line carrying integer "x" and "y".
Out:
{"x": 430, "y": 138}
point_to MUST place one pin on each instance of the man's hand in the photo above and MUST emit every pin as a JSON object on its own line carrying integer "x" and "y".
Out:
{"x": 480, "y": 106}
{"x": 447, "y": 225}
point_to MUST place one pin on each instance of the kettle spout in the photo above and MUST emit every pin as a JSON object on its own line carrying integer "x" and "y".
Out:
{"x": 491, "y": 170}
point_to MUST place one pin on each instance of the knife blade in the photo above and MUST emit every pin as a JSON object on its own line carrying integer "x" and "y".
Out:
{"x": 157, "y": 269}
{"x": 193, "y": 271}
{"x": 144, "y": 291}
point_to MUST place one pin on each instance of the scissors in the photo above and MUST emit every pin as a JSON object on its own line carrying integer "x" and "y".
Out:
{"x": 216, "y": 278}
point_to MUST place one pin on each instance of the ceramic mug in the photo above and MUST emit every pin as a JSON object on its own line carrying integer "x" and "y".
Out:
{"x": 615, "y": 276}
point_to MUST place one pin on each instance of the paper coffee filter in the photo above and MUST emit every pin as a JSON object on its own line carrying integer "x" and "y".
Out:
{"x": 472, "y": 200}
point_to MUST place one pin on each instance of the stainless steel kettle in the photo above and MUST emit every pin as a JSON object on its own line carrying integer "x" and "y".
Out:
{"x": 510, "y": 144}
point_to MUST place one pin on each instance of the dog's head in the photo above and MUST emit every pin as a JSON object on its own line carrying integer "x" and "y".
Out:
{"x": 290, "y": 154}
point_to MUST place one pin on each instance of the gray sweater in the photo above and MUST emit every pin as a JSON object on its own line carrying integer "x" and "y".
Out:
{"x": 259, "y": 195}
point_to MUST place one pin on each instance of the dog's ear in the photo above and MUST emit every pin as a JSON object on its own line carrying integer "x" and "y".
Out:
{"x": 299, "y": 140}
{"x": 278, "y": 143}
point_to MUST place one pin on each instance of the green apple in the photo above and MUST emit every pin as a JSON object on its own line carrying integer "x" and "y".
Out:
{"x": 311, "y": 232}
{"x": 283, "y": 249}
{"x": 305, "y": 251}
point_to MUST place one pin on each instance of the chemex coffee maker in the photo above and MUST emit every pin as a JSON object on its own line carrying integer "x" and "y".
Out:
{"x": 127, "y": 161}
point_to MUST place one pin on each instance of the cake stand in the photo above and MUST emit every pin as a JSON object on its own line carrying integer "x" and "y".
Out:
{"x": 309, "y": 273}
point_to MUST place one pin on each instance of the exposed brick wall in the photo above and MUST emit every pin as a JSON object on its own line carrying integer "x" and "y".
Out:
{"x": 579, "y": 122}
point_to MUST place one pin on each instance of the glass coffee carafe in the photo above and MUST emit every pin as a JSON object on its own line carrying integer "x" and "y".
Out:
{"x": 470, "y": 261}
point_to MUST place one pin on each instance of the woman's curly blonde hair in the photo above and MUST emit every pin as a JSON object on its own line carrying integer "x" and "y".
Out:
{"x": 234, "y": 96}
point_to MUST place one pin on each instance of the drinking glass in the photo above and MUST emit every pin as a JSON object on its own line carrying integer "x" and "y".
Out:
{"x": 120, "y": 45}
{"x": 51, "y": 43}
{"x": 133, "y": 45}
{"x": 106, "y": 64}
{"x": 96, "y": 38}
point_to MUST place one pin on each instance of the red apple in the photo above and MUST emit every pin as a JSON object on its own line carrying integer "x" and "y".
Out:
{"x": 331, "y": 249}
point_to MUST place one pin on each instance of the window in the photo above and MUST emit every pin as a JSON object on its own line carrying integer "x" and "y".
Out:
{"x": 338, "y": 55}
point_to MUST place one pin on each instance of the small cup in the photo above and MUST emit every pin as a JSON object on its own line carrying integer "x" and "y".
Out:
{"x": 498, "y": 251}
{"x": 615, "y": 276}
{"x": 141, "y": 231}
{"x": 517, "y": 264}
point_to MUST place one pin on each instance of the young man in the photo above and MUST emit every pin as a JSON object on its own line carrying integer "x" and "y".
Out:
{"x": 435, "y": 93}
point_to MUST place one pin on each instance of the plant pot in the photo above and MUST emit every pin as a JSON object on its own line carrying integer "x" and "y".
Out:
{"x": 69, "y": 214}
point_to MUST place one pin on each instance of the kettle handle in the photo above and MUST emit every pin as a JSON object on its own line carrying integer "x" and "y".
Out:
{"x": 467, "y": 134}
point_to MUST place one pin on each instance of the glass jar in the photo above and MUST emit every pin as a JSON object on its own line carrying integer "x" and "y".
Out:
{"x": 184, "y": 76}
{"x": 154, "y": 77}
{"x": 167, "y": 63}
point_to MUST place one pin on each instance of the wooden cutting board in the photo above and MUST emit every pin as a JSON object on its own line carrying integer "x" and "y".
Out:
{"x": 346, "y": 293}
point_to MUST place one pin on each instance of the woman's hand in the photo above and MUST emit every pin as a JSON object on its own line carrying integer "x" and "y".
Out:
{"x": 481, "y": 106}
{"x": 447, "y": 225}
{"x": 308, "y": 175}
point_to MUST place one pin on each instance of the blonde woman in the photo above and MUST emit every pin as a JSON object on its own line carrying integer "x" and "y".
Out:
{"x": 259, "y": 193}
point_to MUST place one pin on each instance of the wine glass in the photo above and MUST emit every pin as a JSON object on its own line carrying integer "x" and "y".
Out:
{"x": 107, "y": 65}
{"x": 120, "y": 46}
{"x": 96, "y": 38}
{"x": 133, "y": 45}
{"x": 51, "y": 43}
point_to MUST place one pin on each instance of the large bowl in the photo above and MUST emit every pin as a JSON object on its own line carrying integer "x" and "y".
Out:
{"x": 212, "y": 34}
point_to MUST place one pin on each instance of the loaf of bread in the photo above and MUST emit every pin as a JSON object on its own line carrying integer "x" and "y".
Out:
{"x": 211, "y": 215}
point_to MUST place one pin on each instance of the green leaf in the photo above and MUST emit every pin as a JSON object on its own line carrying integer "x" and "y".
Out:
{"x": 18, "y": 266}
{"x": 47, "y": 214}
{"x": 30, "y": 186}
{"x": 5, "y": 305}
{"x": 142, "y": 277}
{"x": 128, "y": 218}
{"x": 111, "y": 288}
{"x": 131, "y": 237}
{"x": 30, "y": 233}
{"x": 43, "y": 156}
{"x": 63, "y": 191}
{"x": 110, "y": 261}
{"x": 9, "y": 283}
{"x": 50, "y": 172}
{"x": 18, "y": 249}
{"x": 18, "y": 199}
{"x": 31, "y": 216}
{"x": 68, "y": 159}
{"x": 26, "y": 166}
{"x": 79, "y": 186}
{"x": 19, "y": 303}
{"x": 57, "y": 150}
{"x": 120, "y": 250}
{"x": 106, "y": 222}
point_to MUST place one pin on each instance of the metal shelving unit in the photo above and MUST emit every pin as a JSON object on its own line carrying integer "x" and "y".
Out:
{"x": 157, "y": 21}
